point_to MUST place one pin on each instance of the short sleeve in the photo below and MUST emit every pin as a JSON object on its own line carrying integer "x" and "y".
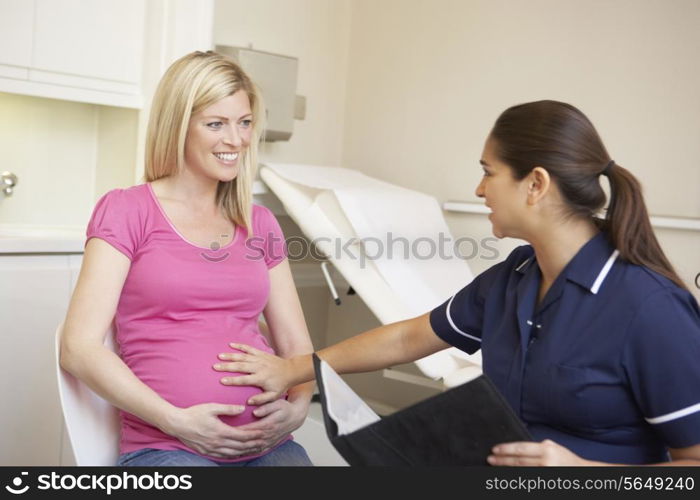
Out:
{"x": 459, "y": 321}
{"x": 115, "y": 220}
{"x": 269, "y": 236}
{"x": 662, "y": 361}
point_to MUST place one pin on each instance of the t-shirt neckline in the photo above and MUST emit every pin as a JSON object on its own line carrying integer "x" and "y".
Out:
{"x": 153, "y": 196}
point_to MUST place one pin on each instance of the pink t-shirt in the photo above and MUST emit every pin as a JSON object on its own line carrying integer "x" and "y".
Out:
{"x": 182, "y": 304}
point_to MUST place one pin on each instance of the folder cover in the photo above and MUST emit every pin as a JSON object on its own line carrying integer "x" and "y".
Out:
{"x": 456, "y": 427}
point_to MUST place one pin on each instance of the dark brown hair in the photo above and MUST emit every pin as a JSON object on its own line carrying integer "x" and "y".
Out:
{"x": 559, "y": 138}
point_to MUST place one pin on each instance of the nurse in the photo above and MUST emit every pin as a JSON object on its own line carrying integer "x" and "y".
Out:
{"x": 587, "y": 331}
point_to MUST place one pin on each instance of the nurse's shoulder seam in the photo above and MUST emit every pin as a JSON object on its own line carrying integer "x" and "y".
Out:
{"x": 647, "y": 282}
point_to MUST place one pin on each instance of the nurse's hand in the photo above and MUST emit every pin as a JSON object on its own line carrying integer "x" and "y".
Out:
{"x": 531, "y": 454}
{"x": 274, "y": 375}
{"x": 277, "y": 420}
{"x": 200, "y": 428}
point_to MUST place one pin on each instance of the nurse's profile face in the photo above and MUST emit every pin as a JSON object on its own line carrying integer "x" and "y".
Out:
{"x": 502, "y": 193}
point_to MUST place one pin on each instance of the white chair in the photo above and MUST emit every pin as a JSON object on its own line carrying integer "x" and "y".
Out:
{"x": 92, "y": 422}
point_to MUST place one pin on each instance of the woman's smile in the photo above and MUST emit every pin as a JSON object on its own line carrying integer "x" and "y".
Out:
{"x": 227, "y": 158}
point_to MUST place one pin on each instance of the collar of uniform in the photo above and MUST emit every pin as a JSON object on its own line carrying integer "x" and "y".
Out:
{"x": 523, "y": 266}
{"x": 591, "y": 265}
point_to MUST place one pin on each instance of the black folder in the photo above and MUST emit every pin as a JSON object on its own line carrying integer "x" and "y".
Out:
{"x": 456, "y": 427}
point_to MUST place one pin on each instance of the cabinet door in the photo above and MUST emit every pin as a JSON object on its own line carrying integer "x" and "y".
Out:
{"x": 16, "y": 23}
{"x": 34, "y": 294}
{"x": 99, "y": 39}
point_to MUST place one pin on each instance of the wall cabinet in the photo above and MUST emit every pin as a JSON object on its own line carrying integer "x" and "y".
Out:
{"x": 73, "y": 50}
{"x": 16, "y": 23}
{"x": 34, "y": 295}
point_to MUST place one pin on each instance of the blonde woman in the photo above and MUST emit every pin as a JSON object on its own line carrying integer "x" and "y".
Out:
{"x": 185, "y": 264}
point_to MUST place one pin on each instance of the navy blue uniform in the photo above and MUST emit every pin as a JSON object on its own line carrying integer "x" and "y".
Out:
{"x": 607, "y": 365}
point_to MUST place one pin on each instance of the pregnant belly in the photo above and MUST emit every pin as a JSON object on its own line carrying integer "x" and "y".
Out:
{"x": 181, "y": 370}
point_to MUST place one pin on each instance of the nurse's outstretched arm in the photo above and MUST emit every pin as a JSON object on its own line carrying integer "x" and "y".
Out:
{"x": 382, "y": 347}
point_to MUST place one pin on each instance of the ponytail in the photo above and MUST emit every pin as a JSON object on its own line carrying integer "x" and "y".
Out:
{"x": 628, "y": 226}
{"x": 560, "y": 138}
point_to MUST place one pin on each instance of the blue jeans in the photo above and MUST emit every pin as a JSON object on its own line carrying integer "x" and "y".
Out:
{"x": 289, "y": 454}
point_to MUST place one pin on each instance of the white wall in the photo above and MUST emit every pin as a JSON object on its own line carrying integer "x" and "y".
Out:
{"x": 315, "y": 31}
{"x": 427, "y": 79}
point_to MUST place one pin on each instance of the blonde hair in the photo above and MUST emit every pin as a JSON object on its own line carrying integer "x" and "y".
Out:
{"x": 189, "y": 85}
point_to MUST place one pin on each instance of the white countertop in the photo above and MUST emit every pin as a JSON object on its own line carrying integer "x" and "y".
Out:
{"x": 16, "y": 238}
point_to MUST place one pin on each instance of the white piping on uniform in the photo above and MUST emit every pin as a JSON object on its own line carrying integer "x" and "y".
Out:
{"x": 674, "y": 415}
{"x": 449, "y": 318}
{"x": 604, "y": 272}
{"x": 523, "y": 263}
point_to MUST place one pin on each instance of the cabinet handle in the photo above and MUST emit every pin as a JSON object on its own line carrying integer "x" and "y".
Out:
{"x": 8, "y": 181}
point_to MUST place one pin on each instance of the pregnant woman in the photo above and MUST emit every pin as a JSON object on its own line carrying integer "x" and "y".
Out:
{"x": 185, "y": 264}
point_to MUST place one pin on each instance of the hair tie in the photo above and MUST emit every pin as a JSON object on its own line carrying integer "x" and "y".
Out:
{"x": 606, "y": 170}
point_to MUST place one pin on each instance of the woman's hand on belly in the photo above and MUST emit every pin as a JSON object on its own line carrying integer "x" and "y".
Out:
{"x": 200, "y": 428}
{"x": 277, "y": 420}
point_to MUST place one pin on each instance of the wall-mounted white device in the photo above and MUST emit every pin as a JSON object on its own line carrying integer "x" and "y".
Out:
{"x": 276, "y": 75}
